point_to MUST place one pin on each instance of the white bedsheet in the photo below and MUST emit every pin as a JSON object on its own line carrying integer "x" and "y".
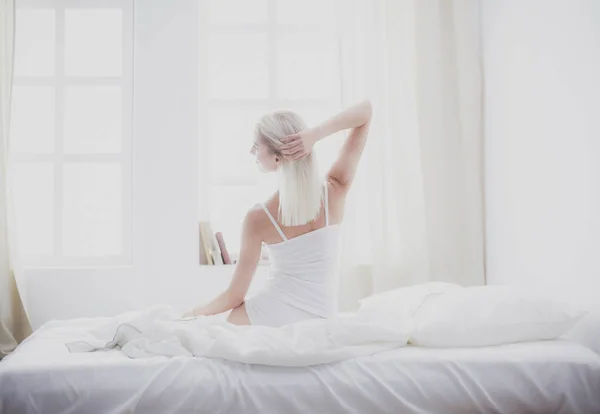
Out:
{"x": 159, "y": 331}
{"x": 539, "y": 377}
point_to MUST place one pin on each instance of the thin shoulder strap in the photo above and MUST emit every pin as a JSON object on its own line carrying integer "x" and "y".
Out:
{"x": 274, "y": 222}
{"x": 326, "y": 204}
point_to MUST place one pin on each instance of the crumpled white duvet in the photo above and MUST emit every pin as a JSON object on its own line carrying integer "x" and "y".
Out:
{"x": 160, "y": 331}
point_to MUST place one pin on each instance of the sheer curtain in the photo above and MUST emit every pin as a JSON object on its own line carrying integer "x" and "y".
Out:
{"x": 416, "y": 211}
{"x": 14, "y": 325}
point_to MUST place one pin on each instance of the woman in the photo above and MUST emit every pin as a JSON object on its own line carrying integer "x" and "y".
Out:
{"x": 303, "y": 241}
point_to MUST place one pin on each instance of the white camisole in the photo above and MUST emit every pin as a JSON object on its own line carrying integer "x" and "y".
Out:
{"x": 302, "y": 282}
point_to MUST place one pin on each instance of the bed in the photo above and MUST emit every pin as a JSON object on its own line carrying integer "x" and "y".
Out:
{"x": 538, "y": 377}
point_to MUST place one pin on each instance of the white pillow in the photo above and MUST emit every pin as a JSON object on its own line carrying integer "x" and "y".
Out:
{"x": 490, "y": 315}
{"x": 586, "y": 332}
{"x": 403, "y": 302}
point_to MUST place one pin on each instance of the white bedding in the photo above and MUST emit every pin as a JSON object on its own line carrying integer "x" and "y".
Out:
{"x": 159, "y": 331}
{"x": 538, "y": 377}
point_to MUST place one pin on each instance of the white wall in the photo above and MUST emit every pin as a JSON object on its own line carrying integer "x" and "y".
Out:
{"x": 542, "y": 144}
{"x": 165, "y": 145}
{"x": 165, "y": 266}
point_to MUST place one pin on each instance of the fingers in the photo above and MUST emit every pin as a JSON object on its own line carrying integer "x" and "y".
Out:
{"x": 300, "y": 156}
{"x": 293, "y": 148}
{"x": 292, "y": 155}
{"x": 290, "y": 139}
{"x": 297, "y": 155}
{"x": 289, "y": 150}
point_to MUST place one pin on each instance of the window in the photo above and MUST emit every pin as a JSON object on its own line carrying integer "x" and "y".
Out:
{"x": 267, "y": 55}
{"x": 71, "y": 131}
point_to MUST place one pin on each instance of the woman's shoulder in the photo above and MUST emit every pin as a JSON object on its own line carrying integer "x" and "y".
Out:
{"x": 254, "y": 215}
{"x": 256, "y": 218}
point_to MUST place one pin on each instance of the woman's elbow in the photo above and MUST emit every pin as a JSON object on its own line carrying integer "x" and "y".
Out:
{"x": 235, "y": 298}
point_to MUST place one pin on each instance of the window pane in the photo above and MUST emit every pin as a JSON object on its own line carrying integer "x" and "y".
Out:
{"x": 32, "y": 119}
{"x": 328, "y": 151}
{"x": 306, "y": 66}
{"x": 238, "y": 66}
{"x": 305, "y": 11}
{"x": 314, "y": 114}
{"x": 34, "y": 43}
{"x": 232, "y": 133}
{"x": 92, "y": 119}
{"x": 34, "y": 202}
{"x": 93, "y": 42}
{"x": 237, "y": 11}
{"x": 92, "y": 209}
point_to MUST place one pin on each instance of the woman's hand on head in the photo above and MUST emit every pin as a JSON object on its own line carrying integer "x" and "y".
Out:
{"x": 298, "y": 146}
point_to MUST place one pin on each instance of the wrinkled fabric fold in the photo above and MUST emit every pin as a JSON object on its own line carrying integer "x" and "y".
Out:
{"x": 159, "y": 331}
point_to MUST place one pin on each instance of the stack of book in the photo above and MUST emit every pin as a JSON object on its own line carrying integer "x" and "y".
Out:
{"x": 213, "y": 250}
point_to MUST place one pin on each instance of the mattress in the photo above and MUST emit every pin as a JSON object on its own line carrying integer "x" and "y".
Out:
{"x": 41, "y": 376}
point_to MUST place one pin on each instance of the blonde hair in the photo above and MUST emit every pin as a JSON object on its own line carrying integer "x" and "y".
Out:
{"x": 300, "y": 191}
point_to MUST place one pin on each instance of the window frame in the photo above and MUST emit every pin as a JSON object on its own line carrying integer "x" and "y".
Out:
{"x": 59, "y": 81}
{"x": 273, "y": 29}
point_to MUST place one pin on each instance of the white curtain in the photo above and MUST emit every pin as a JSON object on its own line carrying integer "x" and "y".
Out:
{"x": 416, "y": 211}
{"x": 14, "y": 325}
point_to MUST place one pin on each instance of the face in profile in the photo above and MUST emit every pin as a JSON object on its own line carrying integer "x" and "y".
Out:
{"x": 264, "y": 157}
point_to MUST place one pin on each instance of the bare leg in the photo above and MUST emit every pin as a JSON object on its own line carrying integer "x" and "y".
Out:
{"x": 239, "y": 316}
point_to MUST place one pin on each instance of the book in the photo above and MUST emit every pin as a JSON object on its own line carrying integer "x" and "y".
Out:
{"x": 206, "y": 242}
{"x": 214, "y": 245}
{"x": 203, "y": 260}
{"x": 223, "y": 248}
